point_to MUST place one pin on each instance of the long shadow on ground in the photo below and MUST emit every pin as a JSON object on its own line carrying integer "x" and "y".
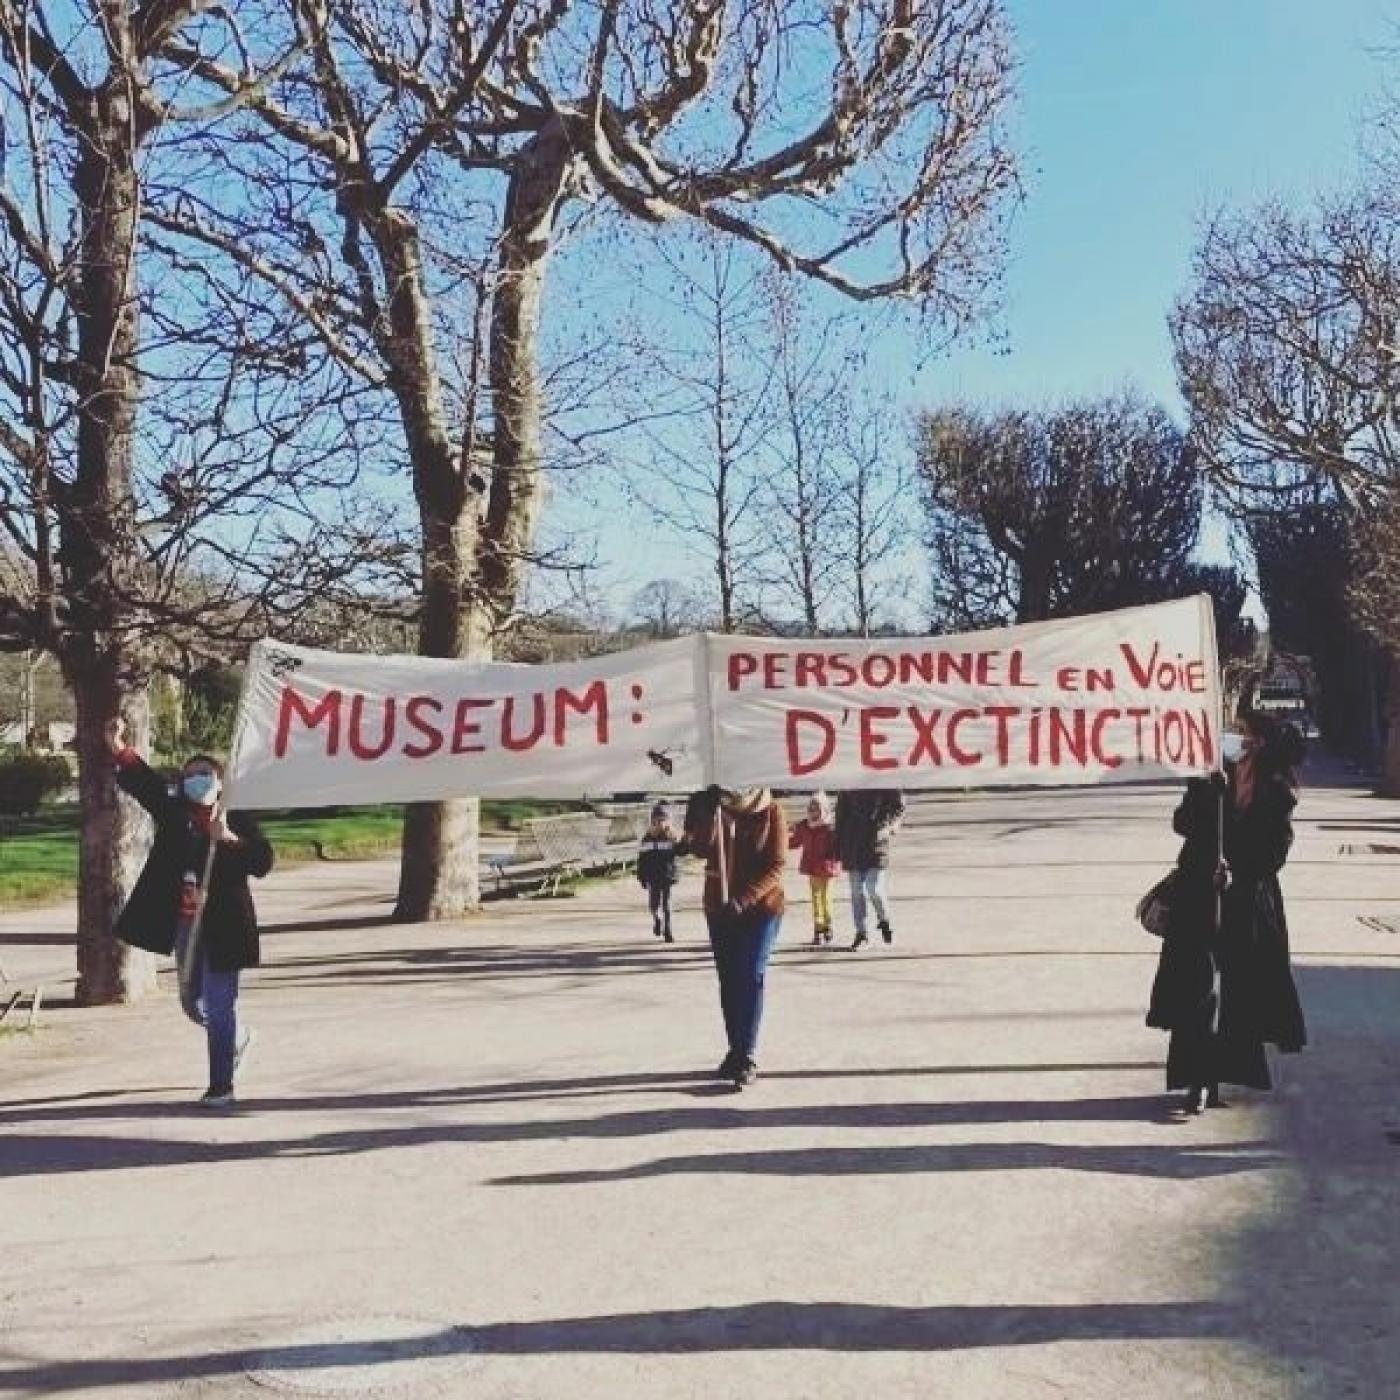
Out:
{"x": 769, "y": 1326}
{"x": 50, "y": 1153}
{"x": 1310, "y": 1285}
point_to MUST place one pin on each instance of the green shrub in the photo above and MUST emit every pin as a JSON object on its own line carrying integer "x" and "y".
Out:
{"x": 26, "y": 779}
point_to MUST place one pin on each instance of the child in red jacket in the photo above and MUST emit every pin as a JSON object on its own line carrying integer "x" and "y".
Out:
{"x": 815, "y": 836}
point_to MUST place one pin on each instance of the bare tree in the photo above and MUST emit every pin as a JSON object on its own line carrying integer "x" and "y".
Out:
{"x": 1093, "y": 506}
{"x": 1375, "y": 585}
{"x": 668, "y": 607}
{"x": 706, "y": 477}
{"x": 813, "y": 362}
{"x": 152, "y": 524}
{"x": 838, "y": 486}
{"x": 859, "y": 144}
{"x": 873, "y": 507}
{"x": 1288, "y": 348}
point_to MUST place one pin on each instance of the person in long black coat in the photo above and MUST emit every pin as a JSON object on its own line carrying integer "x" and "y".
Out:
{"x": 1225, "y": 992}
{"x": 1184, "y": 996}
{"x": 163, "y": 912}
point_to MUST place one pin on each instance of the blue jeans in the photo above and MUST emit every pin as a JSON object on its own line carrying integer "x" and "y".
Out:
{"x": 659, "y": 902}
{"x": 868, "y": 889}
{"x": 742, "y": 947}
{"x": 210, "y": 999}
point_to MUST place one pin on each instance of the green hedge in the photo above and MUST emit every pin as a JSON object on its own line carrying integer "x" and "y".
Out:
{"x": 27, "y": 779}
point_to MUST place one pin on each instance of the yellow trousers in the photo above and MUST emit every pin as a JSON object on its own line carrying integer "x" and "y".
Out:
{"x": 821, "y": 901}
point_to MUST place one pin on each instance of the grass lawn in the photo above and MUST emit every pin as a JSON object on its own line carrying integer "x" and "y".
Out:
{"x": 38, "y": 859}
{"x": 39, "y": 855}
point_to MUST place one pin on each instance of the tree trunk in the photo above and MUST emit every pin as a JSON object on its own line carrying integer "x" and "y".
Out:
{"x": 1034, "y": 601}
{"x": 860, "y": 566}
{"x": 1390, "y": 766}
{"x": 98, "y": 547}
{"x": 727, "y": 620}
{"x": 439, "y": 868}
{"x": 809, "y": 584}
{"x": 1361, "y": 716}
{"x": 115, "y": 836}
{"x": 537, "y": 188}
{"x": 28, "y": 709}
{"x": 439, "y": 852}
{"x": 472, "y": 570}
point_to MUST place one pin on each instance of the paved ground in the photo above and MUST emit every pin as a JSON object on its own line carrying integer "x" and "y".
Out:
{"x": 476, "y": 1160}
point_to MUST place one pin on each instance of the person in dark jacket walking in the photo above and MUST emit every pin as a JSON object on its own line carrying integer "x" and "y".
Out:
{"x": 192, "y": 898}
{"x": 744, "y": 840}
{"x": 658, "y": 869}
{"x": 866, "y": 821}
{"x": 1224, "y": 986}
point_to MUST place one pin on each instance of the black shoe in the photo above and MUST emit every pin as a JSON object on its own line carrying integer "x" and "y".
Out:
{"x": 667, "y": 936}
{"x": 861, "y": 940}
{"x": 729, "y": 1065}
{"x": 886, "y": 932}
{"x": 745, "y": 1072}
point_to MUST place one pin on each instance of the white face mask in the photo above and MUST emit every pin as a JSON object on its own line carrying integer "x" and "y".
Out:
{"x": 201, "y": 788}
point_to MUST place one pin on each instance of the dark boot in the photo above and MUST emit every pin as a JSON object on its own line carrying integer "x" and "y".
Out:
{"x": 862, "y": 938}
{"x": 886, "y": 932}
{"x": 745, "y": 1072}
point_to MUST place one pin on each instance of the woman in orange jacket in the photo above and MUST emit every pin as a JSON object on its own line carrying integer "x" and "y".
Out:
{"x": 743, "y": 838}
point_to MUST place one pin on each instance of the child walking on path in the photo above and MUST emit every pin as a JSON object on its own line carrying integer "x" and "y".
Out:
{"x": 658, "y": 869}
{"x": 815, "y": 837}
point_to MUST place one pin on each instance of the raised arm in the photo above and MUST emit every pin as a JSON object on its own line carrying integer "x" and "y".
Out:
{"x": 135, "y": 776}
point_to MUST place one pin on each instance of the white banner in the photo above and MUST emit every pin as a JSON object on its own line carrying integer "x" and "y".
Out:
{"x": 1111, "y": 698}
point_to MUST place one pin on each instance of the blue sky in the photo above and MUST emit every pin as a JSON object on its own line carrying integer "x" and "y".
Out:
{"x": 1135, "y": 119}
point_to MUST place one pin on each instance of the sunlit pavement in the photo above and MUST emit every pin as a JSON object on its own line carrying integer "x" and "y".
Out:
{"x": 482, "y": 1159}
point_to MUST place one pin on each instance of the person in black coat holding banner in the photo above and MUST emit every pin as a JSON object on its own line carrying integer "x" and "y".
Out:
{"x": 1225, "y": 992}
{"x": 192, "y": 897}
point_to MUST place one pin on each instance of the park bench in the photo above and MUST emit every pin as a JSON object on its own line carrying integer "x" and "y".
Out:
{"x": 550, "y": 850}
{"x": 35, "y": 988}
{"x": 627, "y": 823}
